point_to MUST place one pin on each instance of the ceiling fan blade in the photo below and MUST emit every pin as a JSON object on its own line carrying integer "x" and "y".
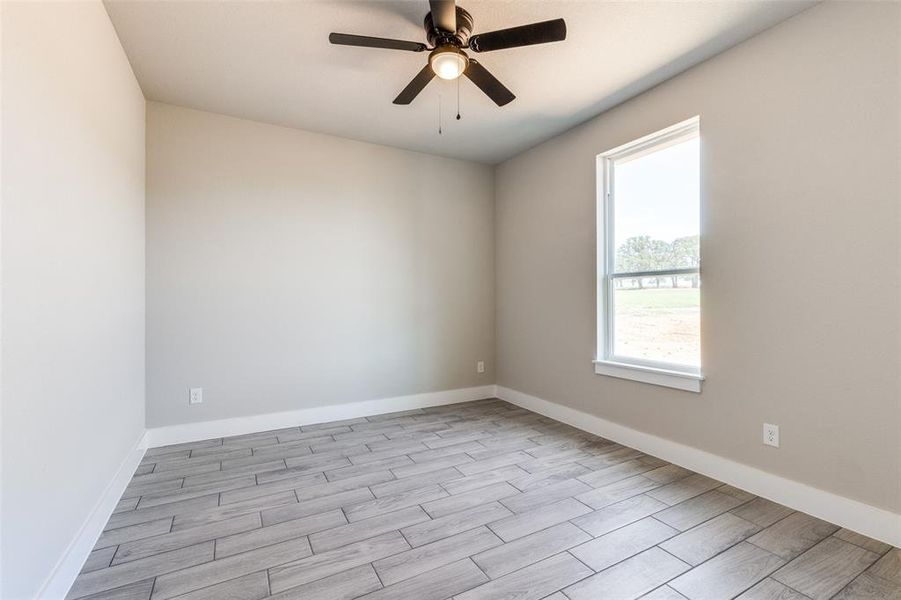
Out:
{"x": 444, "y": 15}
{"x": 413, "y": 88}
{"x": 525, "y": 35}
{"x": 346, "y": 39}
{"x": 486, "y": 82}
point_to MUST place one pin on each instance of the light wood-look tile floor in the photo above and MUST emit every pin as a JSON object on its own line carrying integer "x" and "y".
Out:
{"x": 471, "y": 501}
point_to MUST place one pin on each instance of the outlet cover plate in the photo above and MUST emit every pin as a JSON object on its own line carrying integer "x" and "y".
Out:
{"x": 195, "y": 396}
{"x": 771, "y": 435}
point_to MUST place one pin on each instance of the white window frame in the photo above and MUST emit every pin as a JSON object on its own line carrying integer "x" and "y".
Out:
{"x": 681, "y": 377}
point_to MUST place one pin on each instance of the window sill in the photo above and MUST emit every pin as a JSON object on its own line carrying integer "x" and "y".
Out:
{"x": 690, "y": 382}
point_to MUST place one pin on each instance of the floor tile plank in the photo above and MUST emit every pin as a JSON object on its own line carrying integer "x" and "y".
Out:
{"x": 522, "y": 524}
{"x": 664, "y": 592}
{"x": 793, "y": 535}
{"x": 709, "y": 539}
{"x": 862, "y": 541}
{"x": 550, "y": 476}
{"x": 533, "y": 582}
{"x": 120, "y": 575}
{"x": 618, "y": 515}
{"x": 476, "y": 497}
{"x": 441, "y": 476}
{"x": 770, "y": 589}
{"x": 133, "y": 591}
{"x": 271, "y": 487}
{"x": 311, "y": 492}
{"x": 631, "y": 578}
{"x": 318, "y": 505}
{"x": 387, "y": 504}
{"x": 530, "y": 549}
{"x": 114, "y": 537}
{"x": 346, "y": 585}
{"x": 185, "y": 493}
{"x": 187, "y": 537}
{"x": 442, "y": 527}
{"x": 416, "y": 469}
{"x": 615, "y": 473}
{"x": 366, "y": 528}
{"x": 282, "y": 532}
{"x": 437, "y": 584}
{"x": 618, "y": 545}
{"x": 143, "y": 515}
{"x": 889, "y": 566}
{"x": 728, "y": 574}
{"x": 210, "y": 573}
{"x": 762, "y": 512}
{"x": 335, "y": 561}
{"x": 248, "y": 587}
{"x": 870, "y": 587}
{"x": 616, "y": 492}
{"x": 437, "y": 554}
{"x": 696, "y": 510}
{"x": 199, "y": 518}
{"x": 683, "y": 489}
{"x": 545, "y": 495}
{"x": 826, "y": 568}
{"x": 468, "y": 483}
{"x": 98, "y": 559}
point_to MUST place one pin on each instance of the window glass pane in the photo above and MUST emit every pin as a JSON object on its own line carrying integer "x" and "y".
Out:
{"x": 656, "y": 227}
{"x": 657, "y": 209}
{"x": 658, "y": 319}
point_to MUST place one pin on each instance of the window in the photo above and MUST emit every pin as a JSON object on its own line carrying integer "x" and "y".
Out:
{"x": 649, "y": 277}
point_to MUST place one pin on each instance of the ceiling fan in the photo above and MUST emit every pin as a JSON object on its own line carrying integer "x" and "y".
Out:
{"x": 448, "y": 28}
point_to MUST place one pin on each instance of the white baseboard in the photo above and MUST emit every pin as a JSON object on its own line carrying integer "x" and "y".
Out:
{"x": 870, "y": 521}
{"x": 66, "y": 570}
{"x": 204, "y": 430}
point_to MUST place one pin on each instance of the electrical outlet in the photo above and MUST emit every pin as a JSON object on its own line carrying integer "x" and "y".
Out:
{"x": 480, "y": 366}
{"x": 195, "y": 396}
{"x": 771, "y": 435}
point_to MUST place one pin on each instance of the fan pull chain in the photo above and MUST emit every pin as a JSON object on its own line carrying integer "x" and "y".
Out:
{"x": 439, "y": 114}
{"x": 458, "y": 98}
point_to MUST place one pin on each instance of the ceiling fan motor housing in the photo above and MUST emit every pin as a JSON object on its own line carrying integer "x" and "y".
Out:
{"x": 438, "y": 37}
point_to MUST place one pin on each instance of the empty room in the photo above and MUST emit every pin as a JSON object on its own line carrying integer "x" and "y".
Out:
{"x": 450, "y": 300}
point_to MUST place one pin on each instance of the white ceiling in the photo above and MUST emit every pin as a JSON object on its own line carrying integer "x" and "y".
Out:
{"x": 271, "y": 62}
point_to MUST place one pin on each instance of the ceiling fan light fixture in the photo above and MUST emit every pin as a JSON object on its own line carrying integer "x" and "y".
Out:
{"x": 448, "y": 62}
{"x": 448, "y": 29}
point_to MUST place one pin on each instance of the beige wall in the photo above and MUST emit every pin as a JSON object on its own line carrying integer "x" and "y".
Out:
{"x": 72, "y": 277}
{"x": 287, "y": 269}
{"x": 800, "y": 131}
